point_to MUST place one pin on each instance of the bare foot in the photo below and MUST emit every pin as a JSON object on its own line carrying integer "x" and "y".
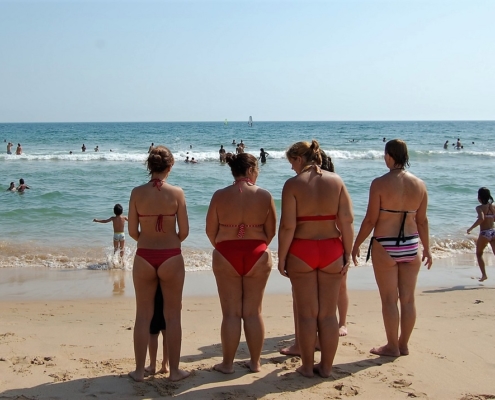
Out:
{"x": 290, "y": 351}
{"x": 164, "y": 369}
{"x": 254, "y": 367}
{"x": 404, "y": 351}
{"x": 323, "y": 372}
{"x": 178, "y": 375}
{"x": 483, "y": 278}
{"x": 223, "y": 368}
{"x": 149, "y": 370}
{"x": 137, "y": 377}
{"x": 343, "y": 330}
{"x": 305, "y": 372}
{"x": 385, "y": 351}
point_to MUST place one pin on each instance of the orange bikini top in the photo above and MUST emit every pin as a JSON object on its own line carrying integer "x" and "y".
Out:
{"x": 316, "y": 218}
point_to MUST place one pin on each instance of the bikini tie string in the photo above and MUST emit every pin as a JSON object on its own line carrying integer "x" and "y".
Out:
{"x": 247, "y": 180}
{"x": 242, "y": 231}
{"x": 158, "y": 183}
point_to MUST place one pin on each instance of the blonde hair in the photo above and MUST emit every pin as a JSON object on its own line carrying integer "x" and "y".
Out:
{"x": 310, "y": 152}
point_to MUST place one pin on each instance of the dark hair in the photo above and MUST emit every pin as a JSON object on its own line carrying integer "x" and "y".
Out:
{"x": 117, "y": 209}
{"x": 240, "y": 163}
{"x": 159, "y": 160}
{"x": 397, "y": 149}
{"x": 309, "y": 152}
{"x": 12, "y": 183}
{"x": 326, "y": 162}
{"x": 485, "y": 196}
{"x": 21, "y": 181}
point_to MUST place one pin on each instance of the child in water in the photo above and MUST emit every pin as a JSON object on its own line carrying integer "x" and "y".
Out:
{"x": 118, "y": 228}
{"x": 157, "y": 325}
{"x": 486, "y": 215}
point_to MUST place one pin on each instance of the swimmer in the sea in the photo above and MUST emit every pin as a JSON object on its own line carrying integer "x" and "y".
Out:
{"x": 118, "y": 228}
{"x": 9, "y": 148}
{"x": 486, "y": 215}
{"x": 18, "y": 151}
{"x": 193, "y": 161}
{"x": 22, "y": 186}
{"x": 151, "y": 147}
{"x": 445, "y": 145}
{"x": 83, "y": 148}
{"x": 12, "y": 187}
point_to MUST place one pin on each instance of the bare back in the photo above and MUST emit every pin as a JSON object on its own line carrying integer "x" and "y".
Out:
{"x": 148, "y": 206}
{"x": 119, "y": 223}
{"x": 398, "y": 191}
{"x": 486, "y": 211}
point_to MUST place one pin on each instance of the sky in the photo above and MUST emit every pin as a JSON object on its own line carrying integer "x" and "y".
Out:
{"x": 109, "y": 61}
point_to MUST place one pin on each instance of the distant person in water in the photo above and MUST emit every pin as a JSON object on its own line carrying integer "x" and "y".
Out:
{"x": 242, "y": 145}
{"x": 12, "y": 187}
{"x": 97, "y": 149}
{"x": 222, "y": 153}
{"x": 233, "y": 142}
{"x": 486, "y": 214}
{"x": 187, "y": 159}
{"x": 384, "y": 140}
{"x": 22, "y": 186}
{"x": 9, "y": 148}
{"x": 263, "y": 155}
{"x": 446, "y": 145}
{"x": 83, "y": 148}
{"x": 118, "y": 228}
{"x": 193, "y": 161}
{"x": 151, "y": 147}
{"x": 458, "y": 144}
{"x": 18, "y": 151}
{"x": 239, "y": 149}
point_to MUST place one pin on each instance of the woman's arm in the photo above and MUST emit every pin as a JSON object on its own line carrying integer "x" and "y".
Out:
{"x": 369, "y": 220}
{"x": 182, "y": 218}
{"x": 423, "y": 230}
{"x": 287, "y": 227}
{"x": 270, "y": 226}
{"x": 212, "y": 220}
{"x": 133, "y": 225}
{"x": 481, "y": 218}
{"x": 345, "y": 219}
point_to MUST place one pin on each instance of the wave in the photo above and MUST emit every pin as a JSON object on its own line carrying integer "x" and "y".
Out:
{"x": 14, "y": 255}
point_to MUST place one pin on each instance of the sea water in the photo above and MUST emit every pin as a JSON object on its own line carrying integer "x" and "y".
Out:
{"x": 50, "y": 225}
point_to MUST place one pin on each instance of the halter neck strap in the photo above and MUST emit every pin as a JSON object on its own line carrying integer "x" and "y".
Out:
{"x": 309, "y": 166}
{"x": 158, "y": 183}
{"x": 247, "y": 180}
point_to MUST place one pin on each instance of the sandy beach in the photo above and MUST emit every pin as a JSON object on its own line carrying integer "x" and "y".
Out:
{"x": 81, "y": 348}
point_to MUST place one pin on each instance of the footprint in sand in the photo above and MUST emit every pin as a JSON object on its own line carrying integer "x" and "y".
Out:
{"x": 478, "y": 397}
{"x": 347, "y": 390}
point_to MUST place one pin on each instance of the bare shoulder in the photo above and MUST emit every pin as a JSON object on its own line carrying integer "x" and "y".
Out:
{"x": 263, "y": 192}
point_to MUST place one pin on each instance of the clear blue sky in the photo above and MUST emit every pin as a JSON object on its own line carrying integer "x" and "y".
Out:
{"x": 275, "y": 60}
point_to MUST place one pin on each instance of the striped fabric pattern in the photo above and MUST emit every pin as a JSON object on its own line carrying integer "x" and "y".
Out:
{"x": 405, "y": 251}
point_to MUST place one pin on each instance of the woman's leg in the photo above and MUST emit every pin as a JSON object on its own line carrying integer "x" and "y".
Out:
{"x": 305, "y": 290}
{"x": 329, "y": 284}
{"x": 294, "y": 349}
{"x": 480, "y": 247}
{"x": 229, "y": 284}
{"x": 253, "y": 287}
{"x": 171, "y": 274}
{"x": 387, "y": 278}
{"x": 343, "y": 306}
{"x": 152, "y": 350}
{"x": 408, "y": 275}
{"x": 165, "y": 367}
{"x": 145, "y": 282}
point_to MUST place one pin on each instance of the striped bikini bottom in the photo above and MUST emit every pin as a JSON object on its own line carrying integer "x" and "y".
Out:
{"x": 402, "y": 250}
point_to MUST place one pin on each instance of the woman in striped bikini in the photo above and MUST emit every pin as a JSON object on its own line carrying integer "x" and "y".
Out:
{"x": 397, "y": 216}
{"x": 158, "y": 222}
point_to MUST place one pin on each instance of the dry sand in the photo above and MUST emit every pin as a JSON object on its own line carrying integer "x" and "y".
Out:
{"x": 80, "y": 349}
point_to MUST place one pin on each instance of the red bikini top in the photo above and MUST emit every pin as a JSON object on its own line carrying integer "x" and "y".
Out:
{"x": 158, "y": 183}
{"x": 242, "y": 228}
{"x": 316, "y": 218}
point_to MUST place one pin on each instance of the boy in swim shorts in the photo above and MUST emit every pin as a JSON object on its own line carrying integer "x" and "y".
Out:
{"x": 118, "y": 228}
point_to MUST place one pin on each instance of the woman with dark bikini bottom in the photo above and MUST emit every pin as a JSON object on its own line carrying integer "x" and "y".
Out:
{"x": 486, "y": 214}
{"x": 240, "y": 224}
{"x": 397, "y": 216}
{"x": 155, "y": 209}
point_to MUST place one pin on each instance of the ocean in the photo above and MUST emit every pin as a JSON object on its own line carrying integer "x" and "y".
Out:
{"x": 50, "y": 225}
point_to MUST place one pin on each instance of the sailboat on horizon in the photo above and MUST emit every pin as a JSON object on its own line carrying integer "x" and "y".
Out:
{"x": 250, "y": 122}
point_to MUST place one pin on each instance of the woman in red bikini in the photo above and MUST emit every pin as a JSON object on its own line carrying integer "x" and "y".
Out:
{"x": 240, "y": 224}
{"x": 397, "y": 216}
{"x": 155, "y": 210}
{"x": 315, "y": 240}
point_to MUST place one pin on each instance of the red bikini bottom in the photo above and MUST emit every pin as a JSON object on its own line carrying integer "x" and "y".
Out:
{"x": 242, "y": 254}
{"x": 157, "y": 257}
{"x": 317, "y": 253}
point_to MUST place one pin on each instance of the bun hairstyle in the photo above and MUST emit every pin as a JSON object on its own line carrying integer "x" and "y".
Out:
{"x": 485, "y": 196}
{"x": 310, "y": 152}
{"x": 159, "y": 160}
{"x": 240, "y": 163}
{"x": 326, "y": 162}
{"x": 397, "y": 149}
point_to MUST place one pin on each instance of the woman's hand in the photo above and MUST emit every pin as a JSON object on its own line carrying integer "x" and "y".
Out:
{"x": 347, "y": 263}
{"x": 427, "y": 256}
{"x": 356, "y": 252}
{"x": 281, "y": 268}
{"x": 468, "y": 231}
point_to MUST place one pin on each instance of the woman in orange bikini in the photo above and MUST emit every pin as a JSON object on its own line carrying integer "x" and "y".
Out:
{"x": 240, "y": 224}
{"x": 155, "y": 210}
{"x": 315, "y": 240}
{"x": 397, "y": 216}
